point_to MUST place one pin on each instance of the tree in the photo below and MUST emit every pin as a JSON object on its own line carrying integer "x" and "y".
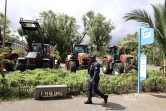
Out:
{"x": 159, "y": 24}
{"x": 61, "y": 30}
{"x": 98, "y": 29}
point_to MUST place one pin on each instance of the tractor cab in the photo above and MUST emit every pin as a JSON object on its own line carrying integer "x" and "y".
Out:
{"x": 36, "y": 47}
{"x": 113, "y": 50}
{"x": 118, "y": 54}
{"x": 77, "y": 48}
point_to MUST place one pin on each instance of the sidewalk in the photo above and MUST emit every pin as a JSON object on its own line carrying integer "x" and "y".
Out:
{"x": 128, "y": 102}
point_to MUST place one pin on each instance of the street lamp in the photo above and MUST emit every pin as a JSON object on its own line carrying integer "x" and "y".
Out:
{"x": 3, "y": 44}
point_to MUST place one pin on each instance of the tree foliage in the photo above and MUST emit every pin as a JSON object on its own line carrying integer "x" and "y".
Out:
{"x": 61, "y": 30}
{"x": 34, "y": 35}
{"x": 98, "y": 29}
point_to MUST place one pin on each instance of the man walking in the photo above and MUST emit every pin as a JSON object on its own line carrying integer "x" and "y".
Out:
{"x": 94, "y": 71}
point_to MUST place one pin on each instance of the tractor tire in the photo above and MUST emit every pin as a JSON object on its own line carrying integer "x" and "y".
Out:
{"x": 11, "y": 67}
{"x": 116, "y": 69}
{"x": 72, "y": 65}
{"x": 67, "y": 66}
{"x": 52, "y": 62}
{"x": 20, "y": 66}
{"x": 106, "y": 67}
{"x": 46, "y": 64}
{"x": 121, "y": 67}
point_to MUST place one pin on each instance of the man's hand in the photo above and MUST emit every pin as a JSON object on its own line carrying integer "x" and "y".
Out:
{"x": 91, "y": 80}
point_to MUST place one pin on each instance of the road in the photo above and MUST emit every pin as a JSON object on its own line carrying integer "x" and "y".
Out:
{"x": 126, "y": 102}
{"x": 149, "y": 67}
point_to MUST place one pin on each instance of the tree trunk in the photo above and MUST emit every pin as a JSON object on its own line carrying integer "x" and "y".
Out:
{"x": 97, "y": 48}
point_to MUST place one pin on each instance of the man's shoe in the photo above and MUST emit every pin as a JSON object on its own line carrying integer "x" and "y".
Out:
{"x": 105, "y": 98}
{"x": 88, "y": 102}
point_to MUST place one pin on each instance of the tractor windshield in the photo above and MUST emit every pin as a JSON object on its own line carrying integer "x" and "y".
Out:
{"x": 127, "y": 51}
{"x": 113, "y": 50}
{"x": 80, "y": 49}
{"x": 124, "y": 51}
{"x": 37, "y": 48}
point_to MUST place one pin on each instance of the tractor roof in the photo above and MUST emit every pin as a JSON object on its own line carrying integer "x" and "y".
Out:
{"x": 80, "y": 44}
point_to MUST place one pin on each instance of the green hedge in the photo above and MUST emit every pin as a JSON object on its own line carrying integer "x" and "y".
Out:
{"x": 15, "y": 83}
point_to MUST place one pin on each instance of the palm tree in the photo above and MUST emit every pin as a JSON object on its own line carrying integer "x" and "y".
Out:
{"x": 131, "y": 40}
{"x": 159, "y": 24}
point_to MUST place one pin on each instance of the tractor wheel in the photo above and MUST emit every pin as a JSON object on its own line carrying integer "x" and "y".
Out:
{"x": 106, "y": 67}
{"x": 20, "y": 66}
{"x": 11, "y": 67}
{"x": 52, "y": 62}
{"x": 116, "y": 69}
{"x": 72, "y": 65}
{"x": 46, "y": 64}
{"x": 67, "y": 66}
{"x": 121, "y": 67}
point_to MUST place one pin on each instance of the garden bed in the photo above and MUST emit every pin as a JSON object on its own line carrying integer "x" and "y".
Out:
{"x": 22, "y": 84}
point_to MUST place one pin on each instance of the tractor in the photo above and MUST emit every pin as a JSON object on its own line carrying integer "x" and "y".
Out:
{"x": 78, "y": 59}
{"x": 38, "y": 54}
{"x": 12, "y": 56}
{"x": 113, "y": 63}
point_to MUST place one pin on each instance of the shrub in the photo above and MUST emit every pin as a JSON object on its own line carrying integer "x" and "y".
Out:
{"x": 76, "y": 82}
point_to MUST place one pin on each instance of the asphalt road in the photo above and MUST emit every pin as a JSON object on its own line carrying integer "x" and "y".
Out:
{"x": 126, "y": 102}
{"x": 149, "y": 67}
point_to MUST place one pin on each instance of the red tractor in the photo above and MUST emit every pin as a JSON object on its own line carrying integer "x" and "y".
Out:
{"x": 114, "y": 62}
{"x": 12, "y": 56}
{"x": 38, "y": 53}
{"x": 78, "y": 59}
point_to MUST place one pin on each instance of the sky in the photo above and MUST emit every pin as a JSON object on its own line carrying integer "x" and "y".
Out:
{"x": 111, "y": 9}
